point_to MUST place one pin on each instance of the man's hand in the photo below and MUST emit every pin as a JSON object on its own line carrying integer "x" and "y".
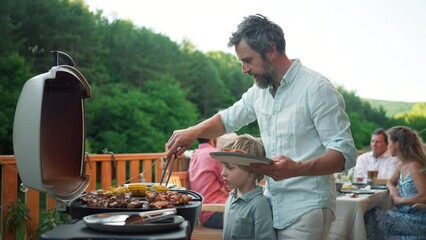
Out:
{"x": 183, "y": 139}
{"x": 282, "y": 168}
{"x": 180, "y": 141}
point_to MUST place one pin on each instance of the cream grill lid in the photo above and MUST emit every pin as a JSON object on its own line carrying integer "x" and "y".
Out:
{"x": 49, "y": 132}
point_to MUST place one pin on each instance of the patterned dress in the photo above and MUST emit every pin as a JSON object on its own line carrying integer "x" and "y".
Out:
{"x": 403, "y": 222}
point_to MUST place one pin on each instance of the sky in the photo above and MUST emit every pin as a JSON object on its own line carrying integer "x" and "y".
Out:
{"x": 376, "y": 48}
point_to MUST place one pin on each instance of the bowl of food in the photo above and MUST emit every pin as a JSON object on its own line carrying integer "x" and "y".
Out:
{"x": 187, "y": 203}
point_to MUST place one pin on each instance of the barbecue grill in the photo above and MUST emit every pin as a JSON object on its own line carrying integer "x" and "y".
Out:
{"x": 49, "y": 136}
{"x": 49, "y": 132}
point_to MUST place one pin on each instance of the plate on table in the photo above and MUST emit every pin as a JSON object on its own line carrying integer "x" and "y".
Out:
{"x": 240, "y": 158}
{"x": 359, "y": 184}
{"x": 106, "y": 222}
{"x": 378, "y": 186}
{"x": 358, "y": 191}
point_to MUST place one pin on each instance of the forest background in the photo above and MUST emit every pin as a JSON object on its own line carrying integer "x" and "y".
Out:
{"x": 144, "y": 85}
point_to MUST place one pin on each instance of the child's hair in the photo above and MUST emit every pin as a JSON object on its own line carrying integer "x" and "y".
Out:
{"x": 410, "y": 144}
{"x": 249, "y": 145}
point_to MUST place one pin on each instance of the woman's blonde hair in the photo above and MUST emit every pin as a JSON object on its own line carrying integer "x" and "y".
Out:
{"x": 249, "y": 145}
{"x": 410, "y": 144}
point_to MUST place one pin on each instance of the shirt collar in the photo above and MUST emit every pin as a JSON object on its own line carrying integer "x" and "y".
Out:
{"x": 291, "y": 73}
{"x": 384, "y": 155}
{"x": 387, "y": 154}
{"x": 249, "y": 195}
{"x": 204, "y": 145}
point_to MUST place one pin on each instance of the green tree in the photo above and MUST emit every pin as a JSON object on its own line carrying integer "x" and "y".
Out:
{"x": 135, "y": 55}
{"x": 169, "y": 105}
{"x": 8, "y": 41}
{"x": 364, "y": 119}
{"x": 144, "y": 85}
{"x": 56, "y": 25}
{"x": 361, "y": 130}
{"x": 416, "y": 119}
{"x": 229, "y": 70}
{"x": 202, "y": 81}
{"x": 13, "y": 74}
{"x": 128, "y": 120}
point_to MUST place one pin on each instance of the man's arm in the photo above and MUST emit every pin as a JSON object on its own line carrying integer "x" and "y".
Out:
{"x": 330, "y": 162}
{"x": 181, "y": 140}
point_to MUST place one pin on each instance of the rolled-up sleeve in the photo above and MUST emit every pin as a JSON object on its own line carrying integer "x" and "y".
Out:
{"x": 240, "y": 114}
{"x": 327, "y": 108}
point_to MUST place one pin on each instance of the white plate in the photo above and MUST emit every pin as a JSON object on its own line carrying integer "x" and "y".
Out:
{"x": 359, "y": 191}
{"x": 379, "y": 186}
{"x": 239, "y": 158}
{"x": 100, "y": 222}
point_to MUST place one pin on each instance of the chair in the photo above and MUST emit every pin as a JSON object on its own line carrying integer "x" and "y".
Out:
{"x": 175, "y": 180}
{"x": 204, "y": 233}
{"x": 180, "y": 179}
{"x": 214, "y": 207}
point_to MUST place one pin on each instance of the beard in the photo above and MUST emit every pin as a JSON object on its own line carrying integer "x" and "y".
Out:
{"x": 266, "y": 79}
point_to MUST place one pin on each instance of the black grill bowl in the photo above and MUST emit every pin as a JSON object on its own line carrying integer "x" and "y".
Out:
{"x": 190, "y": 211}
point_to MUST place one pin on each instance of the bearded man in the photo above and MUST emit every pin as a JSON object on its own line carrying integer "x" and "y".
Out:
{"x": 303, "y": 126}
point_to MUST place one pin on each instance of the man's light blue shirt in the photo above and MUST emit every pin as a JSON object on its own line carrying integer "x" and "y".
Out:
{"x": 304, "y": 119}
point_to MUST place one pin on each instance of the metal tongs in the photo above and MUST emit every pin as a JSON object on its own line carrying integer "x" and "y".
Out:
{"x": 150, "y": 216}
{"x": 121, "y": 219}
{"x": 173, "y": 159}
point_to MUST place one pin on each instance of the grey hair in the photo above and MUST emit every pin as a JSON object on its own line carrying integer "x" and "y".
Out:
{"x": 381, "y": 131}
{"x": 260, "y": 34}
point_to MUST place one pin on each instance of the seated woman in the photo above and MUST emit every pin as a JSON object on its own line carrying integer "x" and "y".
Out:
{"x": 407, "y": 186}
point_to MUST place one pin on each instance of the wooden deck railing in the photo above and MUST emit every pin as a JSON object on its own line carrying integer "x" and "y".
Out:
{"x": 104, "y": 169}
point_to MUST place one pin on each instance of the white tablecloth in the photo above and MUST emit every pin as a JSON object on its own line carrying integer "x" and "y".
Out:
{"x": 349, "y": 223}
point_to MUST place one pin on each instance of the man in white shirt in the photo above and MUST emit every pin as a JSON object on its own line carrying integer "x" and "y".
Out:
{"x": 302, "y": 123}
{"x": 377, "y": 159}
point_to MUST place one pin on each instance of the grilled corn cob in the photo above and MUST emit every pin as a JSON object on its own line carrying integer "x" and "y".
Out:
{"x": 159, "y": 188}
{"x": 106, "y": 193}
{"x": 137, "y": 189}
{"x": 119, "y": 190}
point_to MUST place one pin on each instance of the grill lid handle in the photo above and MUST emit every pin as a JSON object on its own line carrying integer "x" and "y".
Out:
{"x": 67, "y": 58}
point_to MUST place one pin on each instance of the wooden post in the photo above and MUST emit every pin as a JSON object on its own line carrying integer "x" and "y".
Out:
{"x": 9, "y": 195}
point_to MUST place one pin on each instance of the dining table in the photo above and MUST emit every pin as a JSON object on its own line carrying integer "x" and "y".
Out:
{"x": 350, "y": 209}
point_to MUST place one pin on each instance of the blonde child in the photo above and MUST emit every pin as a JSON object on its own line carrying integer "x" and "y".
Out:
{"x": 248, "y": 212}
